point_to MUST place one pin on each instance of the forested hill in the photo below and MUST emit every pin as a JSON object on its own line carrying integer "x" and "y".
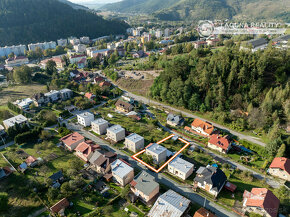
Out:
{"x": 192, "y": 10}
{"x": 248, "y": 91}
{"x": 25, "y": 21}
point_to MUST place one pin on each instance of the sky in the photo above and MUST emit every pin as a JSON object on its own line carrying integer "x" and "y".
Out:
{"x": 94, "y": 1}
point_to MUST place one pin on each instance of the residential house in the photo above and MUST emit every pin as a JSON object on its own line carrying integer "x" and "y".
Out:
{"x": 90, "y": 96}
{"x": 282, "y": 41}
{"x": 24, "y": 103}
{"x": 62, "y": 42}
{"x": 105, "y": 84}
{"x": 82, "y": 63}
{"x": 138, "y": 54}
{"x": 202, "y": 128}
{"x": 52, "y": 96}
{"x": 261, "y": 201}
{"x": 56, "y": 179}
{"x": 74, "y": 41}
{"x": 199, "y": 44}
{"x": 202, "y": 212}
{"x": 158, "y": 152}
{"x": 100, "y": 126}
{"x": 85, "y": 40}
{"x": 170, "y": 204}
{"x": 134, "y": 142}
{"x": 19, "y": 119}
{"x": 31, "y": 161}
{"x": 116, "y": 133}
{"x": 85, "y": 119}
{"x": 122, "y": 172}
{"x": 255, "y": 45}
{"x": 60, "y": 63}
{"x": 180, "y": 168}
{"x": 85, "y": 150}
{"x": 280, "y": 167}
{"x": 23, "y": 167}
{"x": 65, "y": 94}
{"x": 98, "y": 80}
{"x": 80, "y": 48}
{"x": 102, "y": 162}
{"x": 210, "y": 179}
{"x": 4, "y": 172}
{"x": 16, "y": 61}
{"x": 39, "y": 99}
{"x": 100, "y": 53}
{"x": 2, "y": 130}
{"x": 59, "y": 207}
{"x": 123, "y": 106}
{"x": 72, "y": 140}
{"x": 212, "y": 42}
{"x": 75, "y": 58}
{"x": 145, "y": 187}
{"x": 174, "y": 120}
{"x": 219, "y": 143}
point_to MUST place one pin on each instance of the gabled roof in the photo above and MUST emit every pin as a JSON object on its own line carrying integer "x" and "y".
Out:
{"x": 144, "y": 183}
{"x": 212, "y": 175}
{"x": 86, "y": 149}
{"x": 105, "y": 83}
{"x": 202, "y": 212}
{"x": 62, "y": 204}
{"x": 30, "y": 160}
{"x": 89, "y": 95}
{"x": 263, "y": 198}
{"x": 124, "y": 105}
{"x": 257, "y": 42}
{"x": 72, "y": 138}
{"x": 56, "y": 176}
{"x": 169, "y": 204}
{"x": 207, "y": 127}
{"x": 222, "y": 142}
{"x": 282, "y": 163}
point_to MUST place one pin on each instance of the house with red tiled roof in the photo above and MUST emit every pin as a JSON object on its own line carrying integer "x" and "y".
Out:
{"x": 202, "y": 212}
{"x": 202, "y": 128}
{"x": 105, "y": 84}
{"x": 85, "y": 150}
{"x": 31, "y": 161}
{"x": 59, "y": 207}
{"x": 280, "y": 167}
{"x": 90, "y": 96}
{"x": 219, "y": 143}
{"x": 261, "y": 201}
{"x": 72, "y": 140}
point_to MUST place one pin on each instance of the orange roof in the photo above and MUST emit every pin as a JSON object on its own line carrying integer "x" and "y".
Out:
{"x": 219, "y": 141}
{"x": 86, "y": 148}
{"x": 207, "y": 127}
{"x": 263, "y": 198}
{"x": 281, "y": 163}
{"x": 72, "y": 138}
{"x": 62, "y": 204}
{"x": 202, "y": 212}
{"x": 30, "y": 160}
{"x": 89, "y": 95}
{"x": 105, "y": 83}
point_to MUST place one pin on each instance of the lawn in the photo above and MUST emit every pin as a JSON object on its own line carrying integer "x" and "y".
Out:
{"x": 132, "y": 208}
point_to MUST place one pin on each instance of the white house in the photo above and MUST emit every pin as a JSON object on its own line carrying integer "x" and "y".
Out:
{"x": 116, "y": 133}
{"x": 158, "y": 152}
{"x": 181, "y": 168}
{"x": 19, "y": 119}
{"x": 122, "y": 172}
{"x": 85, "y": 119}
{"x": 100, "y": 126}
{"x": 52, "y": 96}
{"x": 80, "y": 48}
{"x": 134, "y": 142}
{"x": 66, "y": 94}
{"x": 24, "y": 103}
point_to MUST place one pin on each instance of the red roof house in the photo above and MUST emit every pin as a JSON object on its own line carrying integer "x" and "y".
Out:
{"x": 31, "y": 161}
{"x": 105, "y": 84}
{"x": 72, "y": 140}
{"x": 261, "y": 201}
{"x": 60, "y": 206}
{"x": 90, "y": 96}
{"x": 85, "y": 150}
{"x": 219, "y": 143}
{"x": 202, "y": 128}
{"x": 280, "y": 167}
{"x": 202, "y": 212}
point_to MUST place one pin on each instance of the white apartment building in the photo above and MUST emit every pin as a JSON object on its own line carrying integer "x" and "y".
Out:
{"x": 42, "y": 46}
{"x": 52, "y": 96}
{"x": 134, "y": 142}
{"x": 80, "y": 48}
{"x": 19, "y": 119}
{"x": 74, "y": 41}
{"x": 100, "y": 126}
{"x": 116, "y": 133}
{"x": 66, "y": 94}
{"x": 85, "y": 40}
{"x": 62, "y": 42}
{"x": 85, "y": 119}
{"x": 158, "y": 33}
{"x": 17, "y": 50}
{"x": 16, "y": 61}
{"x": 166, "y": 32}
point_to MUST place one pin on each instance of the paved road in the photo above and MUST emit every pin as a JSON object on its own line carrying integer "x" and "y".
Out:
{"x": 240, "y": 135}
{"x": 184, "y": 190}
{"x": 6, "y": 145}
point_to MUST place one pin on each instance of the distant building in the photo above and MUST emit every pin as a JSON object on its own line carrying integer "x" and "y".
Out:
{"x": 75, "y": 58}
{"x": 145, "y": 187}
{"x": 52, "y": 96}
{"x": 122, "y": 172}
{"x": 123, "y": 106}
{"x": 282, "y": 41}
{"x": 80, "y": 48}
{"x": 158, "y": 152}
{"x": 74, "y": 41}
{"x": 62, "y": 42}
{"x": 158, "y": 33}
{"x": 198, "y": 44}
{"x": 42, "y": 46}
{"x": 18, "y": 50}
{"x": 2, "y": 130}
{"x": 85, "y": 119}
{"x": 219, "y": 143}
{"x": 65, "y": 94}
{"x": 210, "y": 179}
{"x": 85, "y": 150}
{"x": 280, "y": 167}
{"x": 166, "y": 32}
{"x": 59, "y": 207}
{"x": 261, "y": 201}
{"x": 116, "y": 133}
{"x": 212, "y": 42}
{"x": 85, "y": 40}
{"x": 180, "y": 168}
{"x": 19, "y": 119}
{"x": 16, "y": 61}
{"x": 134, "y": 142}
{"x": 174, "y": 120}
{"x": 202, "y": 127}
{"x": 72, "y": 140}
{"x": 58, "y": 61}
{"x": 170, "y": 204}
{"x": 100, "y": 126}
{"x": 255, "y": 45}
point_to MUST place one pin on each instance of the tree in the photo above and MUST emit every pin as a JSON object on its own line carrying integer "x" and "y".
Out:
{"x": 50, "y": 67}
{"x": 281, "y": 151}
{"x": 107, "y": 210}
{"x": 22, "y": 75}
{"x": 125, "y": 192}
{"x": 65, "y": 189}
{"x": 3, "y": 201}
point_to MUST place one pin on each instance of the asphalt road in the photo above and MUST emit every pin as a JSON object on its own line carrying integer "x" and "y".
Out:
{"x": 182, "y": 189}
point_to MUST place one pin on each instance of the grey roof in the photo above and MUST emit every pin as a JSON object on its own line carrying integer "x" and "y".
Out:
{"x": 258, "y": 42}
{"x": 212, "y": 175}
{"x": 169, "y": 204}
{"x": 65, "y": 90}
{"x": 86, "y": 114}
{"x": 100, "y": 121}
{"x": 174, "y": 118}
{"x": 115, "y": 129}
{"x": 282, "y": 38}
{"x": 200, "y": 170}
{"x": 145, "y": 183}
{"x": 120, "y": 168}
{"x": 134, "y": 137}
{"x": 12, "y": 121}
{"x": 156, "y": 148}
{"x": 181, "y": 165}
{"x": 94, "y": 157}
